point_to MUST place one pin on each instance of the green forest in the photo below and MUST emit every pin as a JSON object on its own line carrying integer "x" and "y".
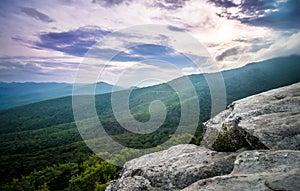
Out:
{"x": 41, "y": 148}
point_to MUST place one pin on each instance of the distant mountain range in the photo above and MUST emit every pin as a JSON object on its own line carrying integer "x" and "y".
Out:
{"x": 18, "y": 94}
{"x": 41, "y": 134}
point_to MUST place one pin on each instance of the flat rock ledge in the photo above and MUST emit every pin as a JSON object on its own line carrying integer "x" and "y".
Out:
{"x": 173, "y": 169}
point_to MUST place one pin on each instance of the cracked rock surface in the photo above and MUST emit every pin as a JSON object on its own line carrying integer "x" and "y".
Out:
{"x": 269, "y": 120}
{"x": 173, "y": 169}
{"x": 258, "y": 170}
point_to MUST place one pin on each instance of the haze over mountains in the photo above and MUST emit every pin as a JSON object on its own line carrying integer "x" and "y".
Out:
{"x": 30, "y": 135}
{"x": 17, "y": 94}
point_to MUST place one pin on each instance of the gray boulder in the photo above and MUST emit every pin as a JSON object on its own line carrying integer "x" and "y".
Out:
{"x": 257, "y": 171}
{"x": 269, "y": 120}
{"x": 173, "y": 169}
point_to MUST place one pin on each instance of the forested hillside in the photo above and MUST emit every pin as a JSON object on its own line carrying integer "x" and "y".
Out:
{"x": 41, "y": 139}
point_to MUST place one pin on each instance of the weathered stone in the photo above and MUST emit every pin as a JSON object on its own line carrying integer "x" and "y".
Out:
{"x": 135, "y": 183}
{"x": 173, "y": 169}
{"x": 259, "y": 171}
{"x": 269, "y": 120}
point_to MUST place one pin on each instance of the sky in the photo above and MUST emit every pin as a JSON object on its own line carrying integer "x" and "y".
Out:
{"x": 49, "y": 40}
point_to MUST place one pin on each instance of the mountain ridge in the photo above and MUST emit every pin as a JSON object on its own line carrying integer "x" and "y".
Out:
{"x": 9, "y": 99}
{"x": 31, "y": 135}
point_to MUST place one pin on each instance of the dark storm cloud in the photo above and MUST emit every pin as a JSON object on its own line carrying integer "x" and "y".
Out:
{"x": 270, "y": 13}
{"x": 36, "y": 14}
{"x": 74, "y": 42}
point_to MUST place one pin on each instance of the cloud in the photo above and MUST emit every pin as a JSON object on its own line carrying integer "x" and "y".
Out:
{"x": 169, "y": 4}
{"x": 128, "y": 74}
{"x": 273, "y": 13}
{"x": 143, "y": 52}
{"x": 36, "y": 14}
{"x": 108, "y": 2}
{"x": 229, "y": 52}
{"x": 74, "y": 42}
{"x": 284, "y": 46}
{"x": 172, "y": 28}
{"x": 251, "y": 29}
{"x": 146, "y": 52}
{"x": 149, "y": 54}
{"x": 258, "y": 49}
{"x": 162, "y": 4}
{"x": 37, "y": 69}
{"x": 223, "y": 3}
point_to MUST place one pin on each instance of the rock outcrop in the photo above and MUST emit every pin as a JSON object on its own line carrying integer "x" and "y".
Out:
{"x": 269, "y": 120}
{"x": 173, "y": 169}
{"x": 267, "y": 123}
{"x": 257, "y": 170}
